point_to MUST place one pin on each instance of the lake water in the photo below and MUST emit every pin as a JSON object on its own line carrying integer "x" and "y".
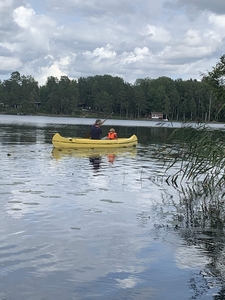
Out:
{"x": 78, "y": 225}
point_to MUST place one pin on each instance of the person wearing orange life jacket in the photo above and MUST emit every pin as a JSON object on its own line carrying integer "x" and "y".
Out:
{"x": 112, "y": 135}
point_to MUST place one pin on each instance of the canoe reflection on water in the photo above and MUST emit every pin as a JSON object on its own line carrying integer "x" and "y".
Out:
{"x": 95, "y": 155}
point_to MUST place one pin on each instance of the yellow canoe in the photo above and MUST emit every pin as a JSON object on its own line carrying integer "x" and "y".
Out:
{"x": 81, "y": 143}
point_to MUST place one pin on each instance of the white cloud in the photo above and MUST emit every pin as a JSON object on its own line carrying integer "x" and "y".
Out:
{"x": 101, "y": 53}
{"x": 138, "y": 54}
{"x": 53, "y": 67}
{"x": 8, "y": 64}
{"x": 190, "y": 257}
{"x": 126, "y": 283}
{"x": 217, "y": 20}
{"x": 23, "y": 16}
{"x": 120, "y": 38}
{"x": 5, "y": 4}
{"x": 157, "y": 34}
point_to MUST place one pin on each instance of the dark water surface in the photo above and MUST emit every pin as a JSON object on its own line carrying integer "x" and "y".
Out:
{"x": 81, "y": 225}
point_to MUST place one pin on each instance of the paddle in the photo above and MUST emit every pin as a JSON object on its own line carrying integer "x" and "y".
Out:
{"x": 88, "y": 135}
{"x": 107, "y": 117}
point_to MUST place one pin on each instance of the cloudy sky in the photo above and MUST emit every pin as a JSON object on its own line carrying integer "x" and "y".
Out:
{"x": 130, "y": 39}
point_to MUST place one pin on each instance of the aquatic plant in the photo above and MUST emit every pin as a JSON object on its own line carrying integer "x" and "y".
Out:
{"x": 198, "y": 153}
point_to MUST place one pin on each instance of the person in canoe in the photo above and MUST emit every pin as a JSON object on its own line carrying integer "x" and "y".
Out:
{"x": 112, "y": 135}
{"x": 96, "y": 130}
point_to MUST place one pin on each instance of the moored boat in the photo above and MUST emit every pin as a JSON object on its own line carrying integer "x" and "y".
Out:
{"x": 84, "y": 143}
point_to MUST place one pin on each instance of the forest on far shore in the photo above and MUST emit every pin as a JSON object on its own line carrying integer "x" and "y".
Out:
{"x": 178, "y": 100}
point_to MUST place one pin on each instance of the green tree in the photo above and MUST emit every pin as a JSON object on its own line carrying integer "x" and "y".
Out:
{"x": 200, "y": 151}
{"x": 166, "y": 105}
{"x": 12, "y": 88}
{"x": 216, "y": 82}
{"x": 140, "y": 101}
{"x": 103, "y": 102}
{"x": 30, "y": 95}
{"x": 53, "y": 102}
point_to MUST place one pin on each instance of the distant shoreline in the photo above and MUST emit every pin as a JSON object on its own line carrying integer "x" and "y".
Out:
{"x": 97, "y": 116}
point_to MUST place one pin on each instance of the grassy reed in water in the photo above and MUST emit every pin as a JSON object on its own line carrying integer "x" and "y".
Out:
{"x": 200, "y": 153}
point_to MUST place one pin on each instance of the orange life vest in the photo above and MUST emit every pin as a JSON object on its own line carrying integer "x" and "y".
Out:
{"x": 112, "y": 135}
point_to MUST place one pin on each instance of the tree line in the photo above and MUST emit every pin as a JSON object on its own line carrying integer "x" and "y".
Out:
{"x": 180, "y": 100}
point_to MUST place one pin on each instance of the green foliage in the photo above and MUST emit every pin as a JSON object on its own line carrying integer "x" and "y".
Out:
{"x": 199, "y": 155}
{"x": 215, "y": 79}
{"x": 189, "y": 100}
